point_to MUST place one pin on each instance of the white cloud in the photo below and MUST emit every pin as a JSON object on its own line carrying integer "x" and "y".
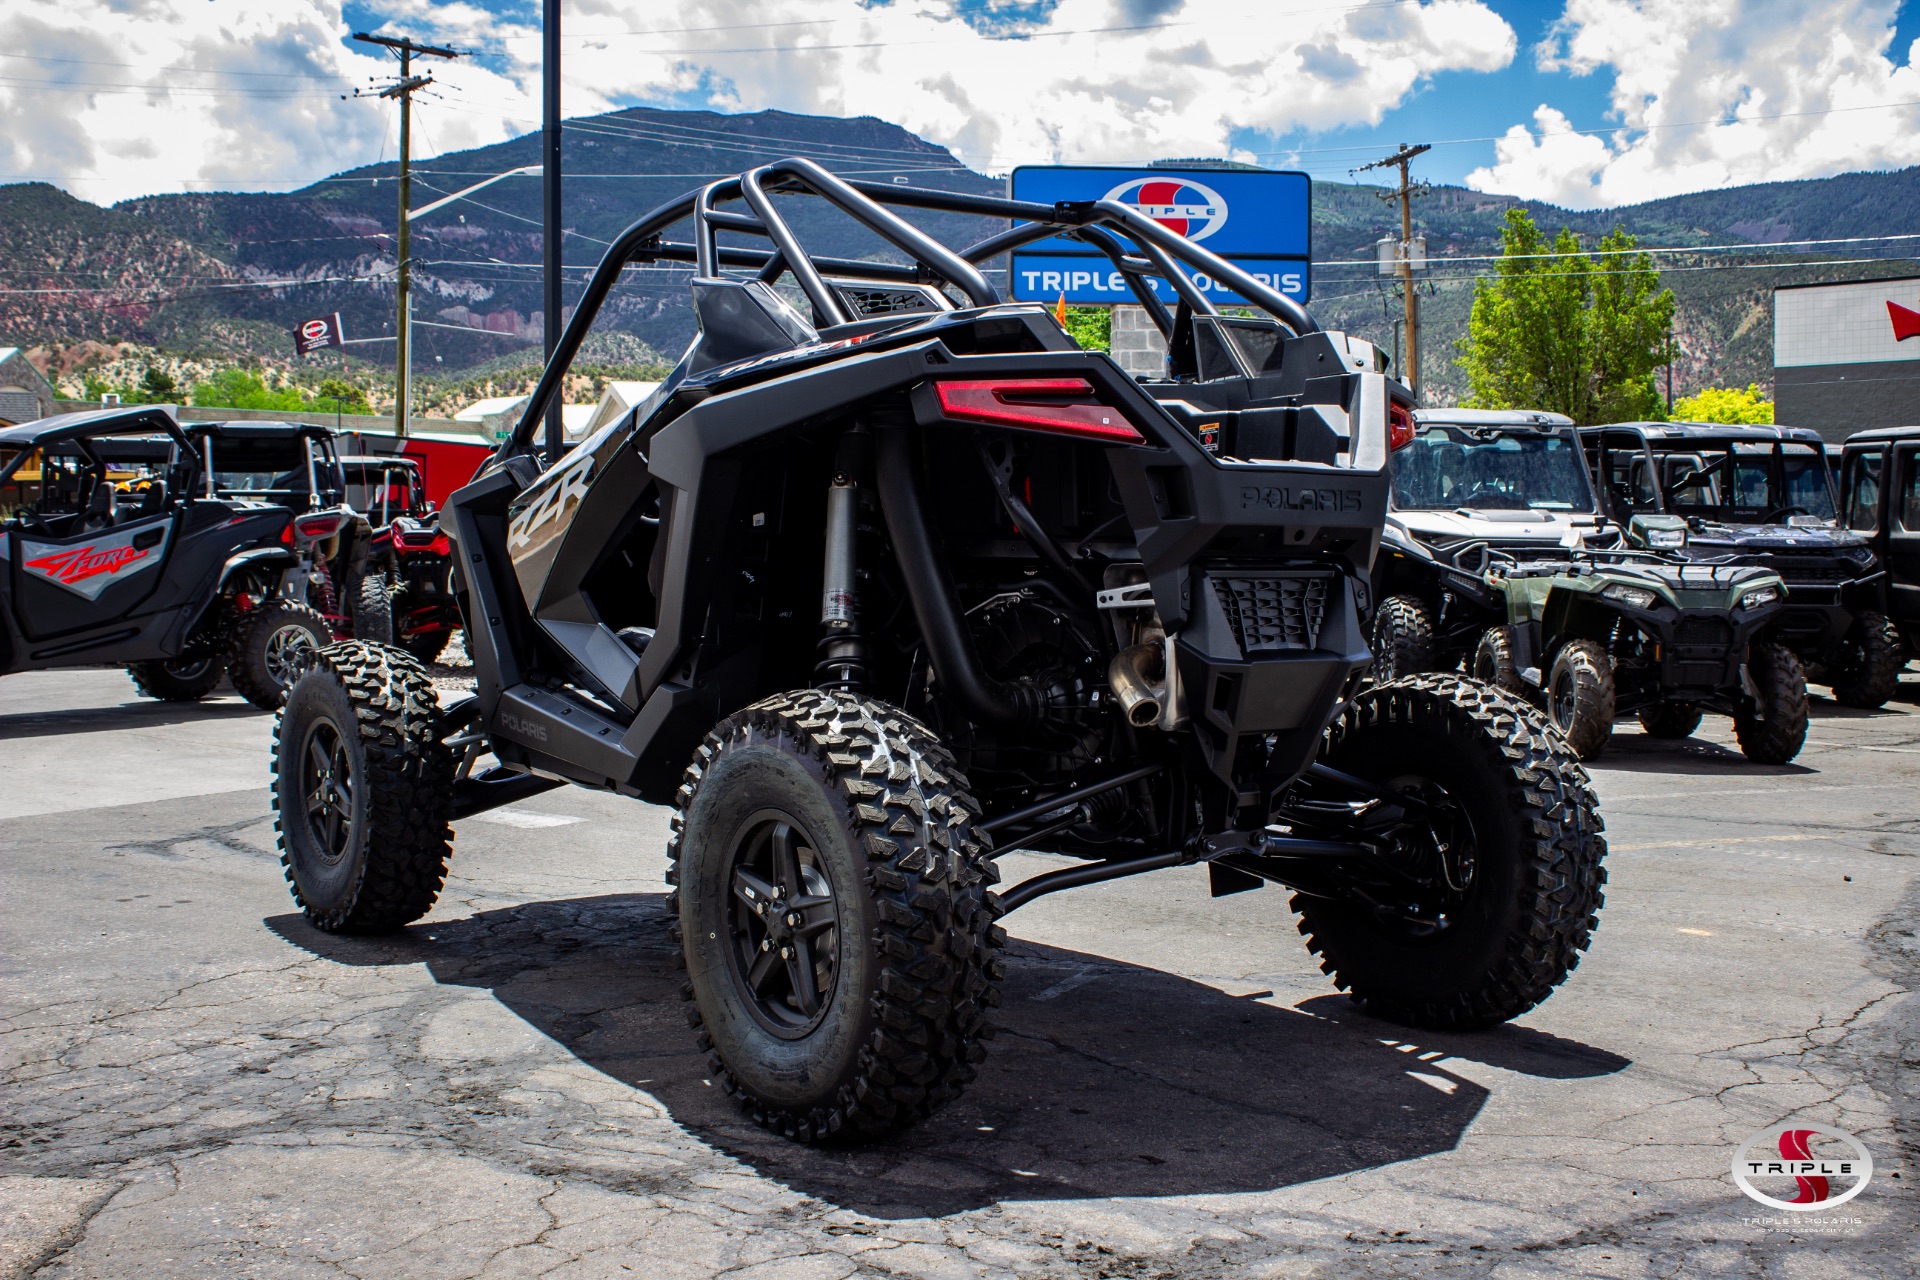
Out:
{"x": 1791, "y": 90}
{"x": 1076, "y": 90}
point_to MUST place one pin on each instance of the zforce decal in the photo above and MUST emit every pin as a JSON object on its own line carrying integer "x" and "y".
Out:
{"x": 89, "y": 570}
{"x": 551, "y": 507}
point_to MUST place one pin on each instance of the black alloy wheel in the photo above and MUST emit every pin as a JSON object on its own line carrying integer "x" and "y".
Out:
{"x": 1435, "y": 847}
{"x": 327, "y": 788}
{"x": 786, "y": 921}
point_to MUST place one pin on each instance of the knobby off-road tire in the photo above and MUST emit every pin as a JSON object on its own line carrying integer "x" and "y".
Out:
{"x": 271, "y": 646}
{"x": 370, "y": 605}
{"x": 1580, "y": 697}
{"x": 1670, "y": 720}
{"x": 361, "y": 790}
{"x": 1493, "y": 662}
{"x": 177, "y": 679}
{"x": 1774, "y": 732}
{"x": 880, "y": 821}
{"x": 1403, "y": 643}
{"x": 1531, "y": 905}
{"x": 1867, "y": 672}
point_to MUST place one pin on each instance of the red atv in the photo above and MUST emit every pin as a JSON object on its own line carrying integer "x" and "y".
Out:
{"x": 405, "y": 594}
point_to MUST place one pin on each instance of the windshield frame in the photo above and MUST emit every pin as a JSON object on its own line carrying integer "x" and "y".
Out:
{"x": 1471, "y": 435}
{"x": 1720, "y": 456}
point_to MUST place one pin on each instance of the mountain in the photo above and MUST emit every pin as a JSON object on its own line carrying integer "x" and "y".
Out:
{"x": 232, "y": 272}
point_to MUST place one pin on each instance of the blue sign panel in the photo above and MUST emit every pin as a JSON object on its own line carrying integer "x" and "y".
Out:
{"x": 1258, "y": 220}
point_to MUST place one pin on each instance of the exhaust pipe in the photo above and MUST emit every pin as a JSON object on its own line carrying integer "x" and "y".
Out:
{"x": 1138, "y": 677}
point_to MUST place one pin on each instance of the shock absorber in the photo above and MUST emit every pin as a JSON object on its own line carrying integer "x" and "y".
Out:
{"x": 843, "y": 650}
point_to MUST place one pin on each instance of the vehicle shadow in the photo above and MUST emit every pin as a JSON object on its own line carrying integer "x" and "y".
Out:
{"x": 127, "y": 715}
{"x": 1643, "y": 753}
{"x": 1819, "y": 708}
{"x": 1106, "y": 1079}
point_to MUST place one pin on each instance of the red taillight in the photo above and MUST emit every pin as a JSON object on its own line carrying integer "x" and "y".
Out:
{"x": 1399, "y": 426}
{"x": 1062, "y": 405}
{"x": 437, "y": 543}
{"x": 320, "y": 526}
{"x": 286, "y": 534}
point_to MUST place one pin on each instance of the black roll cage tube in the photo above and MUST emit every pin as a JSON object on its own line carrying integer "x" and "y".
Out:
{"x": 1093, "y": 221}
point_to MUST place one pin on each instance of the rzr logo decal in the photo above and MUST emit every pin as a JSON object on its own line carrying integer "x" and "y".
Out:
{"x": 550, "y": 506}
{"x": 87, "y": 570}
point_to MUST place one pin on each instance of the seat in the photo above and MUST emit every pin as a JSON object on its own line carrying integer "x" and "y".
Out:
{"x": 100, "y": 509}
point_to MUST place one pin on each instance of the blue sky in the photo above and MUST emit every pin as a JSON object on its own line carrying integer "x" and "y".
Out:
{"x": 1584, "y": 102}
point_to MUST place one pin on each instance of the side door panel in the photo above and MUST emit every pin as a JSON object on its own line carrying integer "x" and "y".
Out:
{"x": 1903, "y": 534}
{"x": 71, "y": 584}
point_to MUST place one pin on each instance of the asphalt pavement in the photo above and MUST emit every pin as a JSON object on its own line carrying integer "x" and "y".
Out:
{"x": 196, "y": 1083}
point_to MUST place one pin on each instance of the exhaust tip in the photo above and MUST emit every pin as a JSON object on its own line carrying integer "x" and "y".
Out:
{"x": 1144, "y": 715}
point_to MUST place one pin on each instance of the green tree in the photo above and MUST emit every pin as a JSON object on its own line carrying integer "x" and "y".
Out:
{"x": 157, "y": 387}
{"x": 1091, "y": 327}
{"x": 1725, "y": 404}
{"x": 242, "y": 389}
{"x": 1562, "y": 330}
{"x": 341, "y": 396}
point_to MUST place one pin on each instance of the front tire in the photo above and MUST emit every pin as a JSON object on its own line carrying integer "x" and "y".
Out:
{"x": 271, "y": 647}
{"x": 1774, "y": 731}
{"x": 1493, "y": 662}
{"x": 1403, "y": 643}
{"x": 177, "y": 679}
{"x": 1867, "y": 672}
{"x": 362, "y": 785}
{"x": 1580, "y": 697}
{"x": 833, "y": 915}
{"x": 1514, "y": 844}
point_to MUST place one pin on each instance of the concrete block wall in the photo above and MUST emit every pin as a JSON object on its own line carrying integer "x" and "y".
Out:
{"x": 1137, "y": 345}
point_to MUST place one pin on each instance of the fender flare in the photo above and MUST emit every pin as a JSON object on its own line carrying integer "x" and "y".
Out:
{"x": 255, "y": 558}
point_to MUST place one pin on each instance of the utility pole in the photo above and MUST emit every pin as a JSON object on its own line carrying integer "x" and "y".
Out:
{"x": 1405, "y": 196}
{"x": 550, "y": 208}
{"x": 403, "y": 92}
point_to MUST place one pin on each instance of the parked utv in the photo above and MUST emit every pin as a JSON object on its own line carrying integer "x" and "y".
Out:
{"x": 893, "y": 578}
{"x": 1880, "y": 500}
{"x": 1628, "y": 632}
{"x": 117, "y": 552}
{"x": 1474, "y": 485}
{"x": 1763, "y": 495}
{"x": 406, "y": 593}
{"x": 295, "y": 465}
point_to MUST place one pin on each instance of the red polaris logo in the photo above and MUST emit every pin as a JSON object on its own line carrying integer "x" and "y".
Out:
{"x": 314, "y": 330}
{"x": 82, "y": 563}
{"x": 1906, "y": 321}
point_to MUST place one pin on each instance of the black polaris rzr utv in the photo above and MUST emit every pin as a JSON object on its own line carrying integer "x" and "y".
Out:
{"x": 1764, "y": 495}
{"x": 888, "y": 577}
{"x": 1474, "y": 487}
{"x": 117, "y": 551}
{"x": 296, "y": 465}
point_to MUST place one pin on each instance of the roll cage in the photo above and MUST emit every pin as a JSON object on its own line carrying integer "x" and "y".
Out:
{"x": 1154, "y": 251}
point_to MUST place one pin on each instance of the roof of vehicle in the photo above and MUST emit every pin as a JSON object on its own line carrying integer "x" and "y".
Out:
{"x": 379, "y": 460}
{"x": 1885, "y": 433}
{"x": 1717, "y": 431}
{"x": 1492, "y": 418}
{"x": 70, "y": 426}
{"x": 262, "y": 430}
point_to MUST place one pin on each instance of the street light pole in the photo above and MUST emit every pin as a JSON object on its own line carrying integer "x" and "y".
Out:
{"x": 550, "y": 207}
{"x": 403, "y": 273}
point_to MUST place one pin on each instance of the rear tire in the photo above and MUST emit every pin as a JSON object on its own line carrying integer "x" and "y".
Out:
{"x": 870, "y": 1012}
{"x": 1533, "y": 882}
{"x": 1774, "y": 732}
{"x": 1580, "y": 697}
{"x": 177, "y": 679}
{"x": 362, "y": 785}
{"x": 1867, "y": 671}
{"x": 370, "y": 605}
{"x": 271, "y": 647}
{"x": 1403, "y": 643}
{"x": 1493, "y": 663}
{"x": 1670, "y": 720}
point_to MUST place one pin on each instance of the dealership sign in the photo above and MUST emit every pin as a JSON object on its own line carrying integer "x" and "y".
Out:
{"x": 1258, "y": 220}
{"x": 311, "y": 335}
